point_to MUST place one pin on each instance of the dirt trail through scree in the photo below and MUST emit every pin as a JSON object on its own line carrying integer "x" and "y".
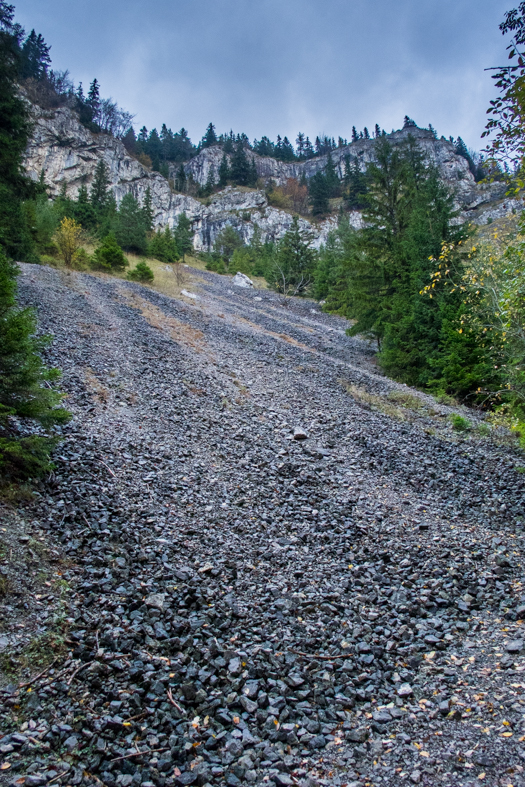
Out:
{"x": 243, "y": 607}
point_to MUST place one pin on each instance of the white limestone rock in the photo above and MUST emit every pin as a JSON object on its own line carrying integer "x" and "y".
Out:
{"x": 241, "y": 280}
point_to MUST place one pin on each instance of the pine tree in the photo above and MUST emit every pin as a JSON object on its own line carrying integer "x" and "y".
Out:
{"x": 109, "y": 255}
{"x": 209, "y": 186}
{"x": 93, "y": 100}
{"x": 377, "y": 132}
{"x": 15, "y": 236}
{"x": 163, "y": 246}
{"x": 35, "y": 58}
{"x": 83, "y": 210}
{"x": 210, "y": 137}
{"x": 224, "y": 171}
{"x": 147, "y": 211}
{"x": 354, "y": 134}
{"x": 183, "y": 235}
{"x": 319, "y": 194}
{"x": 100, "y": 192}
{"x": 240, "y": 168}
{"x": 253, "y": 175}
{"x": 366, "y": 133}
{"x": 293, "y": 269}
{"x": 130, "y": 231}
{"x": 181, "y": 179}
{"x": 332, "y": 179}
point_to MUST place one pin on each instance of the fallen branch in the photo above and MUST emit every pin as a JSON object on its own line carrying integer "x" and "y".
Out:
{"x": 175, "y": 704}
{"x": 29, "y": 682}
{"x": 82, "y": 666}
{"x": 107, "y": 468}
{"x": 324, "y": 658}
{"x": 138, "y": 754}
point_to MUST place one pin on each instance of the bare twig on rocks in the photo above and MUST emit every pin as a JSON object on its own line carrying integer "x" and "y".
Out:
{"x": 40, "y": 674}
{"x": 175, "y": 704}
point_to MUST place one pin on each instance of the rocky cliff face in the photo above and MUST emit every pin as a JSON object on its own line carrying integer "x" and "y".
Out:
{"x": 67, "y": 153}
{"x": 453, "y": 168}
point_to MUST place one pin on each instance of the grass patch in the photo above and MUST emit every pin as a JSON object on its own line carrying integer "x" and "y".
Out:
{"x": 406, "y": 399}
{"x": 376, "y": 403}
{"x": 40, "y": 652}
{"x": 459, "y": 423}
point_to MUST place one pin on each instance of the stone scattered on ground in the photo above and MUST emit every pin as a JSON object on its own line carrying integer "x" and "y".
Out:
{"x": 195, "y": 597}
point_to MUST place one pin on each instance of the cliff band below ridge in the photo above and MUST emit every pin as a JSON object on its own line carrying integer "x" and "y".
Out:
{"x": 67, "y": 153}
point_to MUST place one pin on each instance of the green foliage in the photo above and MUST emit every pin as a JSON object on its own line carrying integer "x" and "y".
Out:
{"x": 226, "y": 242}
{"x": 130, "y": 227}
{"x": 459, "y": 423}
{"x": 15, "y": 236}
{"x": 27, "y": 389}
{"x": 241, "y": 261}
{"x": 319, "y": 194}
{"x": 355, "y": 185}
{"x": 293, "y": 266}
{"x": 224, "y": 171}
{"x": 25, "y": 457}
{"x": 141, "y": 272}
{"x": 183, "y": 235}
{"x": 163, "y": 247}
{"x": 109, "y": 256}
{"x": 240, "y": 167}
{"x": 508, "y": 109}
{"x": 216, "y": 265}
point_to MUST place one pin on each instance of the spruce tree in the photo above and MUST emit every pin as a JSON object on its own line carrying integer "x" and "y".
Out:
{"x": 100, "y": 192}
{"x": 183, "y": 236}
{"x": 130, "y": 230}
{"x": 331, "y": 177}
{"x": 293, "y": 269}
{"x": 224, "y": 171}
{"x": 181, "y": 179}
{"x": 226, "y": 242}
{"x": 210, "y": 182}
{"x": 15, "y": 236}
{"x": 27, "y": 388}
{"x": 83, "y": 210}
{"x": 109, "y": 255}
{"x": 240, "y": 168}
{"x": 163, "y": 247}
{"x": 147, "y": 211}
{"x": 35, "y": 58}
{"x": 93, "y": 101}
{"x": 210, "y": 137}
{"x": 319, "y": 194}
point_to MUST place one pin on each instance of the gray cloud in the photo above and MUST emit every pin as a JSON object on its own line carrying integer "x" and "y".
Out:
{"x": 280, "y": 66}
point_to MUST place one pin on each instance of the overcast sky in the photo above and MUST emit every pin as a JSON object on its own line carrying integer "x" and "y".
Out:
{"x": 282, "y": 66}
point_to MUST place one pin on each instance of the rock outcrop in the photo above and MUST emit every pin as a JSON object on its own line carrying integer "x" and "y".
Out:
{"x": 67, "y": 154}
{"x": 453, "y": 168}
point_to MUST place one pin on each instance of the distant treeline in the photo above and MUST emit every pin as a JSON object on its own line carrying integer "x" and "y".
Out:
{"x": 159, "y": 149}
